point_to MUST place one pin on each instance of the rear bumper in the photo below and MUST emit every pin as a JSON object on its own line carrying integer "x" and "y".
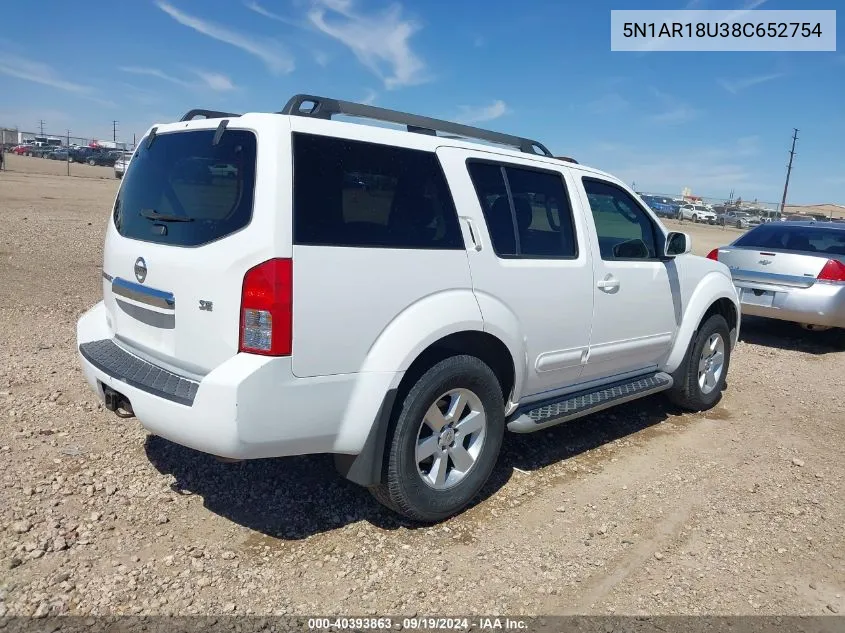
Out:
{"x": 248, "y": 407}
{"x": 820, "y": 304}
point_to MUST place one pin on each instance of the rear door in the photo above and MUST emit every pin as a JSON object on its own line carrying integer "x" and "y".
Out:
{"x": 530, "y": 260}
{"x": 179, "y": 241}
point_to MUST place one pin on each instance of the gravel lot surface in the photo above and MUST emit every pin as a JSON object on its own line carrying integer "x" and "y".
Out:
{"x": 637, "y": 510}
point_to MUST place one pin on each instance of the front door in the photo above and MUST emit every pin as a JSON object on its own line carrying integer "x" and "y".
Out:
{"x": 636, "y": 307}
{"x": 530, "y": 261}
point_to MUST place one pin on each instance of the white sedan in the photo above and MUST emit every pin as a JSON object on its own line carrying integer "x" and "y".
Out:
{"x": 696, "y": 213}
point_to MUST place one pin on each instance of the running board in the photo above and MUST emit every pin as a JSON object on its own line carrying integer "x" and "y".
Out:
{"x": 542, "y": 415}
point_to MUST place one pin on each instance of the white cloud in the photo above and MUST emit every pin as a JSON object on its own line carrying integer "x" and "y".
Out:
{"x": 610, "y": 103}
{"x": 370, "y": 98}
{"x": 267, "y": 51}
{"x": 708, "y": 171}
{"x": 321, "y": 58}
{"x": 380, "y": 41}
{"x": 216, "y": 81}
{"x": 674, "y": 110}
{"x": 41, "y": 73}
{"x": 478, "y": 114}
{"x": 212, "y": 80}
{"x": 736, "y": 85}
{"x": 260, "y": 10}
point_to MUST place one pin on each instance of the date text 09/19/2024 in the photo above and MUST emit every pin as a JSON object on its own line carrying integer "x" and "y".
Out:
{"x": 418, "y": 623}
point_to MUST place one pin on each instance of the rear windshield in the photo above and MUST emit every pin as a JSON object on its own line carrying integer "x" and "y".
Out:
{"x": 808, "y": 239}
{"x": 185, "y": 191}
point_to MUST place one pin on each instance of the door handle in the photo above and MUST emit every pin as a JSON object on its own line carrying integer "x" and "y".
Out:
{"x": 608, "y": 284}
{"x": 473, "y": 233}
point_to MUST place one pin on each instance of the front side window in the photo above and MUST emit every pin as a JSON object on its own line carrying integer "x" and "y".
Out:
{"x": 624, "y": 230}
{"x": 526, "y": 210}
{"x": 353, "y": 193}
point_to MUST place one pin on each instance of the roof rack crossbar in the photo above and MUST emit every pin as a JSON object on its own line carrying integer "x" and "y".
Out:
{"x": 326, "y": 108}
{"x": 208, "y": 114}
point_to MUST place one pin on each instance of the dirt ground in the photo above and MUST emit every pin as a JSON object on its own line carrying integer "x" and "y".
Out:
{"x": 637, "y": 510}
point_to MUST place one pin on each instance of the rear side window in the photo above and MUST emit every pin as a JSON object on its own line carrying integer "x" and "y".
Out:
{"x": 795, "y": 238}
{"x": 185, "y": 191}
{"x": 526, "y": 210}
{"x": 352, "y": 193}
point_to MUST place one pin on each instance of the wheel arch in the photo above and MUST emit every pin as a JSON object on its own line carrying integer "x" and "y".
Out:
{"x": 715, "y": 294}
{"x": 367, "y": 468}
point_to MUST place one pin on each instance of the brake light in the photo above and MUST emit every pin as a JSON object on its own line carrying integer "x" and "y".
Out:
{"x": 267, "y": 309}
{"x": 714, "y": 255}
{"x": 833, "y": 270}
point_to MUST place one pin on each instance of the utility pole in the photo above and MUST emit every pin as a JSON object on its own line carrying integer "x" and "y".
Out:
{"x": 114, "y": 131}
{"x": 789, "y": 169}
{"x": 41, "y": 124}
{"x": 67, "y": 146}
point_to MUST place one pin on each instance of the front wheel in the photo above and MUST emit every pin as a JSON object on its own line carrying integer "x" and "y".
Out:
{"x": 445, "y": 441}
{"x": 92, "y": 162}
{"x": 700, "y": 379}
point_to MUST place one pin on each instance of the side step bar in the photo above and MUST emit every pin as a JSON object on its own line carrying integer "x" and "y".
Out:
{"x": 542, "y": 415}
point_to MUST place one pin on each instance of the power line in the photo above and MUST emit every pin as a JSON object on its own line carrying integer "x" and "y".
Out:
{"x": 789, "y": 169}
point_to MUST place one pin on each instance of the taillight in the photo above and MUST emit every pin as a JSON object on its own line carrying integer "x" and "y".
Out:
{"x": 714, "y": 255}
{"x": 833, "y": 270}
{"x": 267, "y": 309}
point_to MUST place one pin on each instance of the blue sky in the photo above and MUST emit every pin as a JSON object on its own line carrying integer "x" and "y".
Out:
{"x": 709, "y": 121}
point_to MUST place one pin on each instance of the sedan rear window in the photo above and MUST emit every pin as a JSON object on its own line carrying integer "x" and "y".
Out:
{"x": 808, "y": 239}
{"x": 176, "y": 193}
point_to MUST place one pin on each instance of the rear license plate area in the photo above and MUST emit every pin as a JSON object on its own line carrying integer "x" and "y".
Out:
{"x": 755, "y": 297}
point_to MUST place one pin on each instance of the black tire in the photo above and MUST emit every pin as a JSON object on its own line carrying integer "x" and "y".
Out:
{"x": 402, "y": 488}
{"x": 92, "y": 162}
{"x": 686, "y": 392}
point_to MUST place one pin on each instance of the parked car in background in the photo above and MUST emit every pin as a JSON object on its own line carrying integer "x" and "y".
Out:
{"x": 121, "y": 164}
{"x": 738, "y": 219}
{"x": 664, "y": 207}
{"x": 696, "y": 213}
{"x": 57, "y": 154}
{"x": 792, "y": 271}
{"x": 22, "y": 149}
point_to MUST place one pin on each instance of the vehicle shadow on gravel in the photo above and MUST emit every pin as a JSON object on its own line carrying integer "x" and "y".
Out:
{"x": 293, "y": 498}
{"x": 790, "y": 336}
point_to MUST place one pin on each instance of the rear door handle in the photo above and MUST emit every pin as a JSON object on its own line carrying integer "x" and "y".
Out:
{"x": 473, "y": 233}
{"x": 608, "y": 283}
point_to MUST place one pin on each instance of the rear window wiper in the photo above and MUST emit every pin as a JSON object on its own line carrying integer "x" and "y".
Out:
{"x": 152, "y": 214}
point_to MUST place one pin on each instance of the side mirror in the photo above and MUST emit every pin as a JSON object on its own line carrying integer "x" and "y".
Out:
{"x": 677, "y": 243}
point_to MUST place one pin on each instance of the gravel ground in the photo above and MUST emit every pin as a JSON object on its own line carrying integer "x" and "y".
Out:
{"x": 637, "y": 510}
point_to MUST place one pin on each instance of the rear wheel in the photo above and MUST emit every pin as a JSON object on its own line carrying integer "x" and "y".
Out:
{"x": 700, "y": 379}
{"x": 445, "y": 441}
{"x": 92, "y": 162}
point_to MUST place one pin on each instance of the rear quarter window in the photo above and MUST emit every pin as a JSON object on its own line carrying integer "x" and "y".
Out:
{"x": 353, "y": 193}
{"x": 177, "y": 194}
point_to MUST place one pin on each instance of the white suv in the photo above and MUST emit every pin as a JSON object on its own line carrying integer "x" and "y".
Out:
{"x": 397, "y": 298}
{"x": 697, "y": 213}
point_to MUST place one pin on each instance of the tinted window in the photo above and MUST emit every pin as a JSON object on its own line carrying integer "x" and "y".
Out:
{"x": 795, "y": 238}
{"x": 538, "y": 225}
{"x": 350, "y": 193}
{"x": 171, "y": 196}
{"x": 624, "y": 230}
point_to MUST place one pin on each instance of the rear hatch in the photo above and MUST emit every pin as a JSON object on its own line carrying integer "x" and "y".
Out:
{"x": 181, "y": 237}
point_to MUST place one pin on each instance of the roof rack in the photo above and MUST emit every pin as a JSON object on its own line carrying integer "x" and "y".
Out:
{"x": 326, "y": 108}
{"x": 567, "y": 159}
{"x": 208, "y": 114}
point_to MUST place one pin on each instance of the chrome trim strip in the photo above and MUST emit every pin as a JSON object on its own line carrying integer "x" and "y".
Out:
{"x": 161, "y": 320}
{"x": 142, "y": 294}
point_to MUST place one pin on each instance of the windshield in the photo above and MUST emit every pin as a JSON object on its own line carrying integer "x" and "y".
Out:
{"x": 174, "y": 194}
